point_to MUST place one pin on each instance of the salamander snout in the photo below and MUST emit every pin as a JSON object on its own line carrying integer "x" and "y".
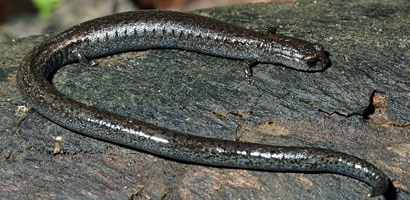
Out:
{"x": 318, "y": 58}
{"x": 294, "y": 53}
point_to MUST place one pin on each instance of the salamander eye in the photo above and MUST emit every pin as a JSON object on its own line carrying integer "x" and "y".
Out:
{"x": 311, "y": 61}
{"x": 318, "y": 47}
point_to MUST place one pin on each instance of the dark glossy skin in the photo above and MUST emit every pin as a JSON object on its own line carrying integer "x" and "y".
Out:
{"x": 165, "y": 29}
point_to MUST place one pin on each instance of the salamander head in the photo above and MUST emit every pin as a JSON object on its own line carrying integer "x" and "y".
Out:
{"x": 296, "y": 53}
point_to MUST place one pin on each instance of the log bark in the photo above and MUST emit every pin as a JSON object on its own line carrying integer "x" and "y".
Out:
{"x": 359, "y": 105}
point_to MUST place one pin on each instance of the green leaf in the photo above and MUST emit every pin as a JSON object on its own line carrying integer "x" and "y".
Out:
{"x": 45, "y": 7}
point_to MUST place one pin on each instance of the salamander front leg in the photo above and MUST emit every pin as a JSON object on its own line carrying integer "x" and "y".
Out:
{"x": 82, "y": 59}
{"x": 248, "y": 64}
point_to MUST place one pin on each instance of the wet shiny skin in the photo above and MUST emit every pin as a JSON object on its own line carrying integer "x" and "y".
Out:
{"x": 166, "y": 29}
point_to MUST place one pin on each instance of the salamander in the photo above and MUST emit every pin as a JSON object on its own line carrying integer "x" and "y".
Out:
{"x": 140, "y": 30}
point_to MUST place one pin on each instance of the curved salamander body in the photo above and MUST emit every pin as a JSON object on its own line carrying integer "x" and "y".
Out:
{"x": 166, "y": 29}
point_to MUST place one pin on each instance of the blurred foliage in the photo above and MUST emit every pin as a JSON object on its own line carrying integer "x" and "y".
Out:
{"x": 45, "y": 7}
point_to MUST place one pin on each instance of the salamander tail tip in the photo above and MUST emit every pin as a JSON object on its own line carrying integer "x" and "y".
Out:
{"x": 370, "y": 194}
{"x": 374, "y": 192}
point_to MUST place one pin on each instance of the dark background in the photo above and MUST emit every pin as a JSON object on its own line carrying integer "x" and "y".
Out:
{"x": 20, "y": 18}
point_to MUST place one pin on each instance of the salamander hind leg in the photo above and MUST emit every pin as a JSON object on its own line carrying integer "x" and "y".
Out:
{"x": 247, "y": 68}
{"x": 82, "y": 59}
{"x": 270, "y": 30}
